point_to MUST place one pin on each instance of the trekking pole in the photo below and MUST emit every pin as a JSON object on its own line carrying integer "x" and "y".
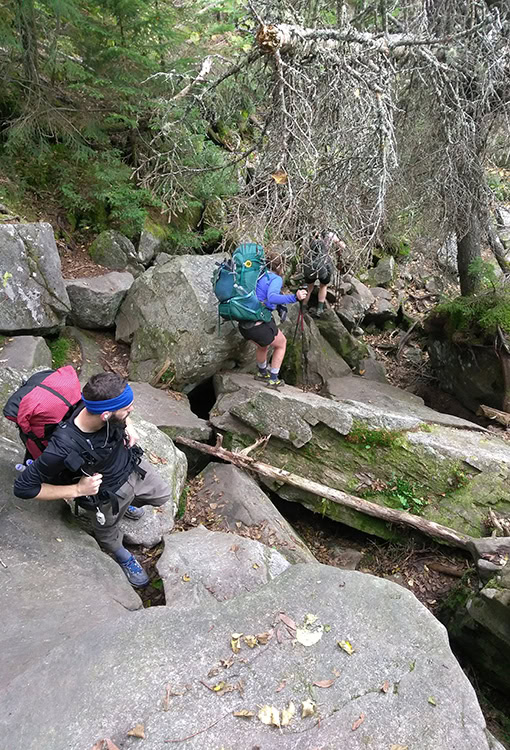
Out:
{"x": 304, "y": 353}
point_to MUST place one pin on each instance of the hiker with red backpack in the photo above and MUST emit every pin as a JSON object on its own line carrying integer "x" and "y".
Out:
{"x": 91, "y": 457}
{"x": 249, "y": 291}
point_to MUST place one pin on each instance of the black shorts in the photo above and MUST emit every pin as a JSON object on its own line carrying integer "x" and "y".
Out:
{"x": 323, "y": 273}
{"x": 262, "y": 334}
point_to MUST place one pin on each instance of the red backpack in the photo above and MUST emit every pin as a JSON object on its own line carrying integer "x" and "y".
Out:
{"x": 42, "y": 402}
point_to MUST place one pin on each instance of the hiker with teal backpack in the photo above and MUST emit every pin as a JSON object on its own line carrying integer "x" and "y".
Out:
{"x": 249, "y": 292}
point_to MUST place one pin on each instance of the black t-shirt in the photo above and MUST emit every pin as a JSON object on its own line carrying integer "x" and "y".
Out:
{"x": 51, "y": 469}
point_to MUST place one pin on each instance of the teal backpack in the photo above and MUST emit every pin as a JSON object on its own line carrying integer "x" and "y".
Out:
{"x": 234, "y": 283}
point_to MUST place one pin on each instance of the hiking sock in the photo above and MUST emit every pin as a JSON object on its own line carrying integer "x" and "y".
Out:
{"x": 122, "y": 554}
{"x": 320, "y": 308}
{"x": 262, "y": 367}
{"x": 274, "y": 373}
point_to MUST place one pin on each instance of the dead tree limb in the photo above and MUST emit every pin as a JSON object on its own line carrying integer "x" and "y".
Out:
{"x": 390, "y": 515}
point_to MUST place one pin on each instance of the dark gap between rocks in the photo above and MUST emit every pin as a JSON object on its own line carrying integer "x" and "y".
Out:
{"x": 202, "y": 398}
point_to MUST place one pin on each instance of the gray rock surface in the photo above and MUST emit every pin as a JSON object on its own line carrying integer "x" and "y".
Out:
{"x": 359, "y": 291}
{"x": 33, "y": 298}
{"x": 90, "y": 351}
{"x": 95, "y": 301}
{"x": 447, "y": 255}
{"x": 240, "y": 506}
{"x": 338, "y": 337}
{"x": 371, "y": 369}
{"x": 503, "y": 216}
{"x": 430, "y": 703}
{"x": 170, "y": 412}
{"x": 10, "y": 380}
{"x": 383, "y": 273}
{"x": 350, "y": 311}
{"x": 56, "y": 584}
{"x": 381, "y": 311}
{"x": 113, "y": 250}
{"x": 171, "y": 463}
{"x": 199, "y": 565}
{"x": 148, "y": 247}
{"x": 25, "y": 353}
{"x": 171, "y": 314}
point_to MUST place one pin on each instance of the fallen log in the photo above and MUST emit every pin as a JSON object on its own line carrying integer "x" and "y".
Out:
{"x": 400, "y": 517}
{"x": 502, "y": 417}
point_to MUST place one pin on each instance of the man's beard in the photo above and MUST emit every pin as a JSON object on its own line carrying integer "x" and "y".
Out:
{"x": 116, "y": 423}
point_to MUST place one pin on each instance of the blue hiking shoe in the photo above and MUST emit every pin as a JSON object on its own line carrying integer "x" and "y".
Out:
{"x": 134, "y": 513}
{"x": 262, "y": 377}
{"x": 135, "y": 574}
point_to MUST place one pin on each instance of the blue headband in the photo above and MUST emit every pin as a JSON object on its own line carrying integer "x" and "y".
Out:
{"x": 110, "y": 404}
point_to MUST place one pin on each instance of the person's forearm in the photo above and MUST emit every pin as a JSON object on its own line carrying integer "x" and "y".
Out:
{"x": 58, "y": 492}
{"x": 281, "y": 299}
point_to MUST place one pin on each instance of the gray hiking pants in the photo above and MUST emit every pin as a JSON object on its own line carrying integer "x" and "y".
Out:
{"x": 153, "y": 490}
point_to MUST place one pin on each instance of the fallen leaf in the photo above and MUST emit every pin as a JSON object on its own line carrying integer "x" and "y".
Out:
{"x": 432, "y": 701}
{"x": 346, "y": 646}
{"x": 289, "y": 622}
{"x": 250, "y": 640}
{"x": 308, "y": 637}
{"x": 255, "y": 565}
{"x": 385, "y": 686}
{"x": 281, "y": 686}
{"x": 186, "y": 578}
{"x": 238, "y": 524}
{"x": 399, "y": 747}
{"x": 287, "y": 714}
{"x": 244, "y": 713}
{"x": 218, "y": 687}
{"x": 307, "y": 709}
{"x": 234, "y": 548}
{"x": 213, "y": 506}
{"x": 235, "y": 642}
{"x": 310, "y": 619}
{"x": 280, "y": 177}
{"x": 227, "y": 663}
{"x": 327, "y": 628}
{"x": 324, "y": 683}
{"x": 358, "y": 722}
{"x": 269, "y": 715}
{"x": 105, "y": 745}
{"x": 264, "y": 638}
{"x": 58, "y": 539}
{"x": 137, "y": 731}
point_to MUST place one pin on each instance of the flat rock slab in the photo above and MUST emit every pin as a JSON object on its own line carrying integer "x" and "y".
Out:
{"x": 26, "y": 353}
{"x": 386, "y": 406}
{"x": 199, "y": 565}
{"x": 171, "y": 413}
{"x": 34, "y": 298}
{"x": 171, "y": 463}
{"x": 56, "y": 585}
{"x": 159, "y": 670}
{"x": 91, "y": 354}
{"x": 242, "y": 507}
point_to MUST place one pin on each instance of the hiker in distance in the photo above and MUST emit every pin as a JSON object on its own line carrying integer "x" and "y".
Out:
{"x": 266, "y": 334}
{"x": 93, "y": 458}
{"x": 318, "y": 263}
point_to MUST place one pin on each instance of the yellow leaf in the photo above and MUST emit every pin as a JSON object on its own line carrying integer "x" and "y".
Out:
{"x": 399, "y": 747}
{"x": 235, "y": 642}
{"x": 310, "y": 619}
{"x": 269, "y": 715}
{"x": 218, "y": 687}
{"x": 307, "y": 709}
{"x": 137, "y": 731}
{"x": 287, "y": 714}
{"x": 255, "y": 565}
{"x": 244, "y": 713}
{"x": 308, "y": 637}
{"x": 432, "y": 701}
{"x": 250, "y": 640}
{"x": 280, "y": 177}
{"x": 186, "y": 578}
{"x": 346, "y": 646}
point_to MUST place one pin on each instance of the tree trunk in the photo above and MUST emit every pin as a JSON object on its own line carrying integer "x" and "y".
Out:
{"x": 469, "y": 250}
{"x": 28, "y": 33}
{"x": 400, "y": 517}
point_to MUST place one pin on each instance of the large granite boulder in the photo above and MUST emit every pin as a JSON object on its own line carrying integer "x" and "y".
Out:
{"x": 113, "y": 250}
{"x": 170, "y": 315}
{"x": 240, "y": 506}
{"x": 55, "y": 582}
{"x": 373, "y": 440}
{"x": 33, "y": 297}
{"x": 344, "y": 343}
{"x": 170, "y": 412}
{"x": 95, "y": 301}
{"x": 310, "y": 359}
{"x": 474, "y": 376}
{"x": 179, "y": 677}
{"x": 25, "y": 353}
{"x": 383, "y": 273}
{"x": 199, "y": 565}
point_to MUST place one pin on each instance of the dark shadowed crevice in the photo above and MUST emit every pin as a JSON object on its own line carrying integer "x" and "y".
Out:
{"x": 202, "y": 398}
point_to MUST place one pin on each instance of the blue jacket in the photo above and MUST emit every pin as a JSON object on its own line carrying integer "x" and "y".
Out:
{"x": 268, "y": 291}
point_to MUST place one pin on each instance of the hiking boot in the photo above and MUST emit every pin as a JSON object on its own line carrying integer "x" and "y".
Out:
{"x": 136, "y": 575}
{"x": 134, "y": 513}
{"x": 275, "y": 384}
{"x": 262, "y": 378}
